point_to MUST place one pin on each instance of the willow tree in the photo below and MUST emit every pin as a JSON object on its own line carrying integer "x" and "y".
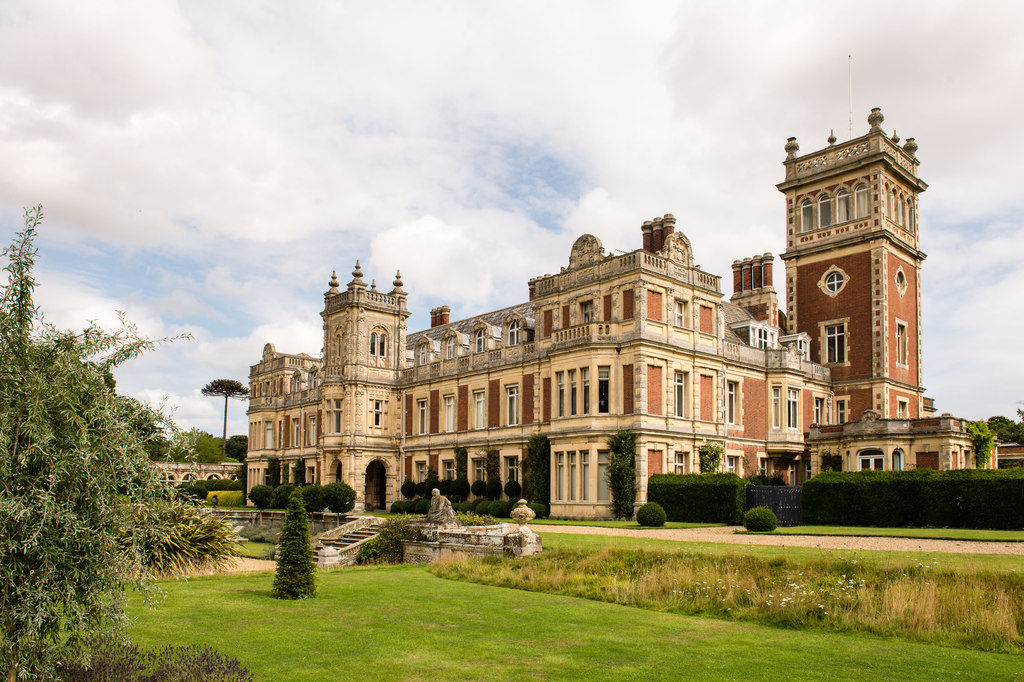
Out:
{"x": 74, "y": 470}
{"x": 229, "y": 388}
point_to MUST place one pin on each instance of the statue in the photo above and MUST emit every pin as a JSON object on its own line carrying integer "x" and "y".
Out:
{"x": 441, "y": 512}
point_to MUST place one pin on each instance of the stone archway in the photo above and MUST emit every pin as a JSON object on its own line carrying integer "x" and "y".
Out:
{"x": 375, "y": 494}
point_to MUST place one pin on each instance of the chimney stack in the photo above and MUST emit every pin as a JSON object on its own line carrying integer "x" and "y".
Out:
{"x": 669, "y": 226}
{"x": 737, "y": 276}
{"x": 646, "y": 228}
{"x": 658, "y": 238}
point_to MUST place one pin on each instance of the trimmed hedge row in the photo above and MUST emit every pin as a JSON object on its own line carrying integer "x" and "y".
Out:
{"x": 704, "y": 498}
{"x": 970, "y": 498}
{"x": 227, "y": 498}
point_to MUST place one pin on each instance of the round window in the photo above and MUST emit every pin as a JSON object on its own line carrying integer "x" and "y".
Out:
{"x": 834, "y": 281}
{"x": 901, "y": 279}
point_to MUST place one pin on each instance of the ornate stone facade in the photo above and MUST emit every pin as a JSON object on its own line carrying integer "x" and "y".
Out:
{"x": 643, "y": 341}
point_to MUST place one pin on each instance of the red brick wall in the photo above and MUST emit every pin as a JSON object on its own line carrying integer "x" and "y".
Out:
{"x": 654, "y": 305}
{"x": 627, "y": 389}
{"x": 493, "y": 402}
{"x": 905, "y": 308}
{"x": 627, "y": 304}
{"x": 435, "y": 408}
{"x": 755, "y": 408}
{"x": 707, "y": 398}
{"x": 705, "y": 320}
{"x": 859, "y": 402}
{"x": 527, "y": 399}
{"x": 463, "y": 408}
{"x": 654, "y": 390}
{"x": 854, "y": 302}
{"x": 545, "y": 399}
{"x": 654, "y": 459}
{"x": 607, "y": 308}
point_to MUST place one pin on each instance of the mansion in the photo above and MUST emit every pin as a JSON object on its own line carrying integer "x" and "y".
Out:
{"x": 644, "y": 341}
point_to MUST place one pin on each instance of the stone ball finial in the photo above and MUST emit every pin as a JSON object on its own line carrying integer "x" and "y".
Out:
{"x": 832, "y": 137}
{"x": 358, "y": 272}
{"x": 334, "y": 283}
{"x": 373, "y": 285}
{"x": 875, "y": 119}
{"x": 895, "y": 137}
{"x": 910, "y": 147}
{"x": 398, "y": 279}
{"x": 792, "y": 147}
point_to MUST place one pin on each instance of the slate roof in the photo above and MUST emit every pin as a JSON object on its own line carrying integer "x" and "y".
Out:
{"x": 495, "y": 318}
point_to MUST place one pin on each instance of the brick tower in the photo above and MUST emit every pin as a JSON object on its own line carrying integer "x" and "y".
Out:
{"x": 853, "y": 268}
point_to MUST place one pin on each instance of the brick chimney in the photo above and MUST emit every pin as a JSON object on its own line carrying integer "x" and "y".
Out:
{"x": 753, "y": 288}
{"x": 439, "y": 316}
{"x": 647, "y": 229}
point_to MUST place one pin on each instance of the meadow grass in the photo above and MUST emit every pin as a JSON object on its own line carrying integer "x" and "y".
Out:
{"x": 966, "y": 562}
{"x": 256, "y": 550}
{"x": 402, "y": 623}
{"x": 969, "y": 534}
{"x": 923, "y": 602}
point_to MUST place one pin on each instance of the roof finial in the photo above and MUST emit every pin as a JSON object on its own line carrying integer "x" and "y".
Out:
{"x": 357, "y": 273}
{"x": 831, "y": 137}
{"x": 792, "y": 147}
{"x": 895, "y": 137}
{"x": 875, "y": 118}
{"x": 334, "y": 280}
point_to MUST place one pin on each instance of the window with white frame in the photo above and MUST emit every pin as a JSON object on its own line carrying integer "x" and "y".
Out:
{"x": 449, "y": 348}
{"x": 806, "y": 216}
{"x": 296, "y": 433}
{"x": 901, "y": 344}
{"x": 586, "y": 311}
{"x": 842, "y": 205}
{"x": 679, "y": 393}
{"x": 585, "y": 388}
{"x": 572, "y": 476}
{"x": 819, "y": 410}
{"x": 840, "y": 411}
{"x": 479, "y": 469}
{"x": 897, "y": 460}
{"x": 585, "y": 476}
{"x": 793, "y": 408}
{"x": 732, "y": 389}
{"x": 873, "y": 460}
{"x": 680, "y": 313}
{"x": 378, "y": 414}
{"x": 312, "y": 431}
{"x": 449, "y": 469}
{"x": 902, "y": 409}
{"x": 479, "y": 410}
{"x": 449, "y": 413}
{"x": 679, "y": 464}
{"x": 824, "y": 210}
{"x": 336, "y": 417}
{"x": 603, "y": 390}
{"x": 835, "y": 343}
{"x": 834, "y": 281}
{"x": 421, "y": 472}
{"x": 861, "y": 201}
{"x": 560, "y": 389}
{"x": 560, "y": 475}
{"x": 421, "y": 411}
{"x": 512, "y": 404}
{"x": 776, "y": 407}
{"x": 513, "y": 333}
{"x": 480, "y": 340}
{"x": 572, "y": 391}
{"x": 732, "y": 464}
{"x": 424, "y": 354}
{"x": 511, "y": 468}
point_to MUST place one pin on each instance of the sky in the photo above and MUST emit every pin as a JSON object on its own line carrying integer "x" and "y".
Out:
{"x": 204, "y": 167}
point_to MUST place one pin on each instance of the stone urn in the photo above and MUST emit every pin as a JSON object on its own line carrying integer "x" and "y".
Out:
{"x": 522, "y": 514}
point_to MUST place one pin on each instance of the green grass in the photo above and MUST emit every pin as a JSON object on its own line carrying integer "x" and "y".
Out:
{"x": 256, "y": 550}
{"x": 970, "y": 534}
{"x": 967, "y": 562}
{"x": 401, "y": 623}
{"x": 600, "y": 523}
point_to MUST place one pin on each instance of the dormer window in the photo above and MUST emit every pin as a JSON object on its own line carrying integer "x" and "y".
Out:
{"x": 513, "y": 333}
{"x": 449, "y": 348}
{"x": 424, "y": 356}
{"x": 480, "y": 340}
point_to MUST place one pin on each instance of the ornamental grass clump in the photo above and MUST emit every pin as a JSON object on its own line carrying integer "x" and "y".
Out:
{"x": 296, "y": 575}
{"x": 760, "y": 520}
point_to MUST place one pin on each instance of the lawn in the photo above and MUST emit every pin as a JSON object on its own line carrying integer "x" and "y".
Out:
{"x": 400, "y": 622}
{"x": 971, "y": 534}
{"x": 256, "y": 550}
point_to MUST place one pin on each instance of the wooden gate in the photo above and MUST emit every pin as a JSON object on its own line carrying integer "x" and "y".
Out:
{"x": 784, "y": 500}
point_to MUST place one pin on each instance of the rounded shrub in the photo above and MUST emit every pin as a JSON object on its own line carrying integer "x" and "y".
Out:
{"x": 460, "y": 488}
{"x": 494, "y": 489}
{"x": 399, "y": 507}
{"x": 651, "y": 514}
{"x": 760, "y": 520}
{"x": 500, "y": 509}
{"x": 408, "y": 489}
{"x": 445, "y": 487}
{"x": 479, "y": 488}
{"x": 478, "y": 504}
{"x": 513, "y": 490}
{"x": 339, "y": 497}
{"x": 281, "y": 495}
{"x": 313, "y": 497}
{"x": 422, "y": 505}
{"x": 227, "y": 498}
{"x": 539, "y": 510}
{"x": 261, "y": 496}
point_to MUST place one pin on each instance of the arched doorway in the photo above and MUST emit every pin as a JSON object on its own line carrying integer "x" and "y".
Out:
{"x": 870, "y": 460}
{"x": 375, "y": 496}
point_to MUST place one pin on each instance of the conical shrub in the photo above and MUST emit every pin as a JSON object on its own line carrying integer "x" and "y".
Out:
{"x": 295, "y": 577}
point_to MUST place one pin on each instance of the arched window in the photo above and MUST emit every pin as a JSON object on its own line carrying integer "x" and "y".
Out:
{"x": 513, "y": 333}
{"x": 373, "y": 343}
{"x": 824, "y": 210}
{"x": 382, "y": 345}
{"x": 897, "y": 460}
{"x": 842, "y": 206}
{"x": 902, "y": 218}
{"x": 423, "y": 353}
{"x": 337, "y": 345}
{"x": 480, "y": 340}
{"x": 890, "y": 208}
{"x": 861, "y": 201}
{"x": 449, "y": 348}
{"x": 806, "y": 216}
{"x": 912, "y": 217}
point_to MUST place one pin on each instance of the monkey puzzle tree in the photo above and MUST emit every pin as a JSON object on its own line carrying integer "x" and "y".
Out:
{"x": 229, "y": 388}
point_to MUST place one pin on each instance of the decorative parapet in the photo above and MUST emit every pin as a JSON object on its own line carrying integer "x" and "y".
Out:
{"x": 611, "y": 266}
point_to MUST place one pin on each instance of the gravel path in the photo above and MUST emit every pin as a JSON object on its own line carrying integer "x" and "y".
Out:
{"x": 728, "y": 534}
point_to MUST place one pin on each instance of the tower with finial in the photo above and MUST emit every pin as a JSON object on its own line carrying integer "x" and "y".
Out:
{"x": 853, "y": 265}
{"x": 363, "y": 355}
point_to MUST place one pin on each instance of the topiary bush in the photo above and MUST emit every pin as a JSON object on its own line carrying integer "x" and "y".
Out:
{"x": 339, "y": 497}
{"x": 444, "y": 486}
{"x": 539, "y": 510}
{"x": 494, "y": 489}
{"x": 400, "y": 507}
{"x": 760, "y": 520}
{"x": 282, "y": 494}
{"x": 227, "y": 498}
{"x": 513, "y": 490}
{"x": 651, "y": 514}
{"x": 500, "y": 509}
{"x": 261, "y": 496}
{"x": 408, "y": 489}
{"x": 700, "y": 498}
{"x": 295, "y": 577}
{"x": 479, "y": 488}
{"x": 478, "y": 504}
{"x": 313, "y": 497}
{"x": 422, "y": 506}
{"x": 460, "y": 488}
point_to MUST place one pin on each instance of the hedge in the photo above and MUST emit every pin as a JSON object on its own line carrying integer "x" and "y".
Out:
{"x": 227, "y": 498}
{"x": 969, "y": 498}
{"x": 704, "y": 498}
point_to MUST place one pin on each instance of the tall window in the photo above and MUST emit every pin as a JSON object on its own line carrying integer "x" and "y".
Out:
{"x": 423, "y": 354}
{"x": 336, "y": 420}
{"x": 587, "y": 311}
{"x": 373, "y": 343}
{"x": 378, "y": 413}
{"x": 560, "y": 380}
{"x": 268, "y": 435}
{"x": 819, "y": 410}
{"x": 312, "y": 431}
{"x": 512, "y": 468}
{"x": 835, "y": 343}
{"x": 585, "y": 387}
{"x": 792, "y": 408}
{"x": 572, "y": 391}
{"x": 840, "y": 411}
{"x": 902, "y": 409}
{"x": 776, "y": 407}
{"x": 680, "y": 313}
{"x": 449, "y": 413}
{"x": 679, "y": 465}
{"x": 382, "y": 345}
{"x": 513, "y": 333}
{"x": 732, "y": 464}
{"x": 603, "y": 374}
{"x": 860, "y": 201}
{"x": 421, "y": 410}
{"x": 585, "y": 476}
{"x": 296, "y": 433}
{"x": 480, "y": 340}
{"x": 806, "y": 216}
{"x": 572, "y": 476}
{"x": 842, "y": 206}
{"x": 897, "y": 460}
{"x": 901, "y": 344}
{"x": 603, "y": 494}
{"x": 731, "y": 390}
{"x": 421, "y": 472}
{"x": 680, "y": 394}
{"x": 824, "y": 210}
{"x": 479, "y": 469}
{"x": 560, "y": 475}
{"x": 449, "y": 348}
{"x": 512, "y": 404}
{"x": 479, "y": 410}
{"x": 449, "y": 470}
